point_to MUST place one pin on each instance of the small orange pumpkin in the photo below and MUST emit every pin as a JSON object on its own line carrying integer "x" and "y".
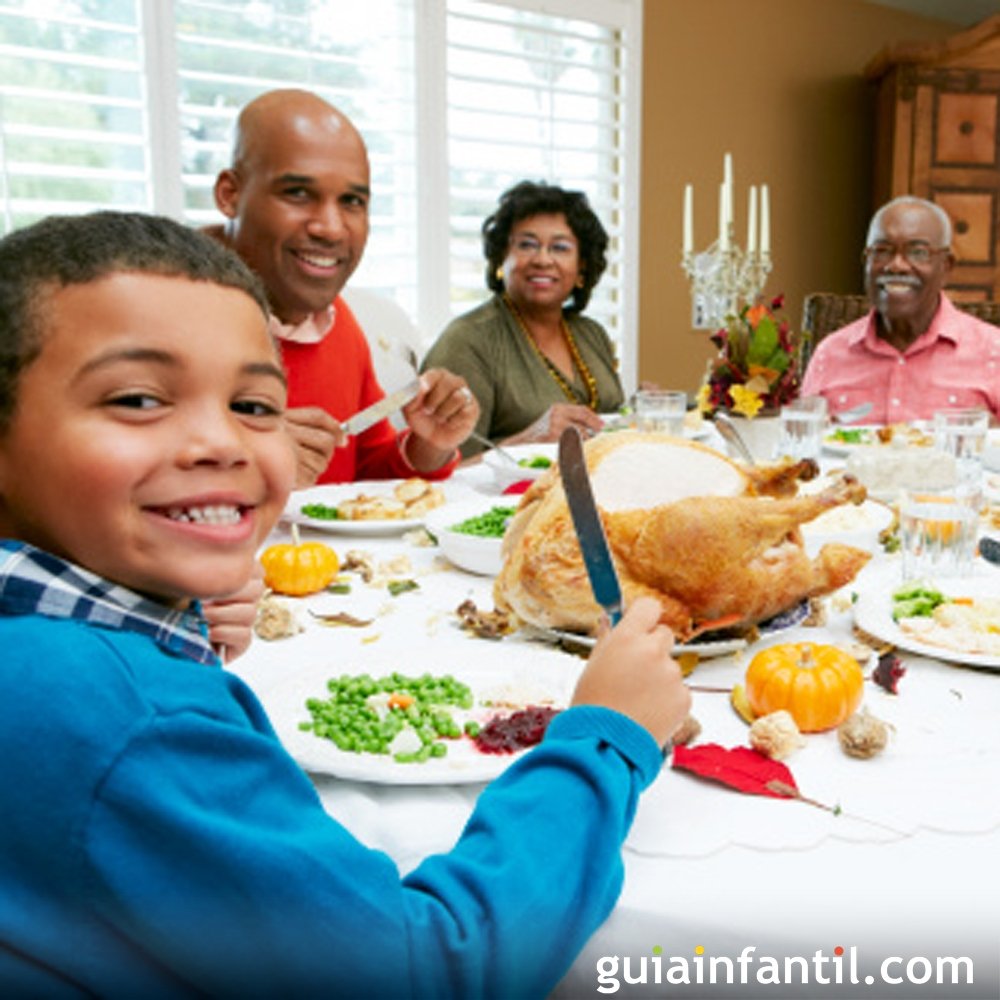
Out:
{"x": 819, "y": 685}
{"x": 299, "y": 568}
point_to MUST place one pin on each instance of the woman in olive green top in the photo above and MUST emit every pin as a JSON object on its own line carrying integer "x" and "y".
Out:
{"x": 533, "y": 362}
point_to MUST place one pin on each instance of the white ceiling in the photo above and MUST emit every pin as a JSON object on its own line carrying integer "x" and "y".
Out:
{"x": 960, "y": 12}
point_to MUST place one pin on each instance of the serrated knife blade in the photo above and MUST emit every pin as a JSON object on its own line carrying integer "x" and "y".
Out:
{"x": 371, "y": 415}
{"x": 587, "y": 521}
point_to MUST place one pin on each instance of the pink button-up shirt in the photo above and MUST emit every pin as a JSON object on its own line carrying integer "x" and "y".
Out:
{"x": 955, "y": 362}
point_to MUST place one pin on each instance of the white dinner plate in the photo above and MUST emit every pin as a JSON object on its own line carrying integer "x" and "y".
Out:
{"x": 706, "y": 650}
{"x": 534, "y": 682}
{"x": 843, "y": 448}
{"x": 916, "y": 435}
{"x": 873, "y": 614}
{"x": 626, "y": 422}
{"x": 332, "y": 495}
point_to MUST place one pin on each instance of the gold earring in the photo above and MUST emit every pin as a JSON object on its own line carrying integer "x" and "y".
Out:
{"x": 499, "y": 272}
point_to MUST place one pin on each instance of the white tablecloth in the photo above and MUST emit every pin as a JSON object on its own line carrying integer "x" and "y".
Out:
{"x": 909, "y": 867}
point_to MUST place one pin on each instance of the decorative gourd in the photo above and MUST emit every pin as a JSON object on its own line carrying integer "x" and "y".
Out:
{"x": 819, "y": 685}
{"x": 299, "y": 568}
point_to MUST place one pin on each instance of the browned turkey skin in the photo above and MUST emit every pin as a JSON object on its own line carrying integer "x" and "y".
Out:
{"x": 709, "y": 560}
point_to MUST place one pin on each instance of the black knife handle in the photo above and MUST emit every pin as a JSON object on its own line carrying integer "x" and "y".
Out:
{"x": 989, "y": 549}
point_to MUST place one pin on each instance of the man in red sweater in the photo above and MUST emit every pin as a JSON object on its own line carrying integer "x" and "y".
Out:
{"x": 296, "y": 205}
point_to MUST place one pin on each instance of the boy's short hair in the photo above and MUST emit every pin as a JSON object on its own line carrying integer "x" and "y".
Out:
{"x": 65, "y": 250}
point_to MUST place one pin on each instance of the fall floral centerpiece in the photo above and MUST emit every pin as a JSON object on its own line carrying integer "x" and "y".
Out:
{"x": 757, "y": 364}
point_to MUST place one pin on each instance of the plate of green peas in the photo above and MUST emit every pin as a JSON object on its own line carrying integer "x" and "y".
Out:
{"x": 403, "y": 727}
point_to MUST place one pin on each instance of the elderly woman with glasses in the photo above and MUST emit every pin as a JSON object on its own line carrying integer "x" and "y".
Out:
{"x": 914, "y": 352}
{"x": 534, "y": 362}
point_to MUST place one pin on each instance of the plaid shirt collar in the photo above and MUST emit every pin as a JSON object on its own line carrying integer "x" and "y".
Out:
{"x": 36, "y": 582}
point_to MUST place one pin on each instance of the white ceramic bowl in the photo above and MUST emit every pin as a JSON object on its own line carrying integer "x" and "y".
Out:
{"x": 506, "y": 474}
{"x": 857, "y": 525}
{"x": 473, "y": 553}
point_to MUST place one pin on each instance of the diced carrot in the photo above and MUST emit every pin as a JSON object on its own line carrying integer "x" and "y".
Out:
{"x": 709, "y": 626}
{"x": 399, "y": 699}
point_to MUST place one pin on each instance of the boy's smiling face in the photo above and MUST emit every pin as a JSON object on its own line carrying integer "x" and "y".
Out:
{"x": 147, "y": 443}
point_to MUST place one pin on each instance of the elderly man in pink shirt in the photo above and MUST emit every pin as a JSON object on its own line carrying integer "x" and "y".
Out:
{"x": 915, "y": 352}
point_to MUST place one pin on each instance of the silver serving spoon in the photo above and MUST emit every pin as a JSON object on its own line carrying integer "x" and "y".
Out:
{"x": 852, "y": 415}
{"x": 502, "y": 452}
{"x": 727, "y": 429}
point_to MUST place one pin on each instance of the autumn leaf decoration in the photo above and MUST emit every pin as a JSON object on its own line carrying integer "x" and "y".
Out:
{"x": 744, "y": 769}
{"x": 888, "y": 672}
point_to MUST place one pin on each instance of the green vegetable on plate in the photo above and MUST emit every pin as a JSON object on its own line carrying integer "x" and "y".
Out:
{"x": 320, "y": 511}
{"x": 915, "y": 600}
{"x": 492, "y": 524}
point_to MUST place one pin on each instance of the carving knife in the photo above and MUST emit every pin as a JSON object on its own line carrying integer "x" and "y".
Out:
{"x": 587, "y": 521}
{"x": 371, "y": 415}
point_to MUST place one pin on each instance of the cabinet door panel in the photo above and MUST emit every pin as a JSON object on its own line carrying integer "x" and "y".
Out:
{"x": 965, "y": 130}
{"x": 972, "y": 214}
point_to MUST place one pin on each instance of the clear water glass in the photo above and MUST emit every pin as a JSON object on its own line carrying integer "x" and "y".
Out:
{"x": 802, "y": 425}
{"x": 961, "y": 433}
{"x": 937, "y": 530}
{"x": 661, "y": 410}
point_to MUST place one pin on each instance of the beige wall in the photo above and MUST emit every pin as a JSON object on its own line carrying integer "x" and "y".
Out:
{"x": 778, "y": 84}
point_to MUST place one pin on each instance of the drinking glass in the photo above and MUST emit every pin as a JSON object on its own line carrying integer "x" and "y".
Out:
{"x": 961, "y": 433}
{"x": 802, "y": 424}
{"x": 937, "y": 530}
{"x": 661, "y": 410}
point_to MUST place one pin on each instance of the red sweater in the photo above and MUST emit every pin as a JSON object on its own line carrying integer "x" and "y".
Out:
{"x": 337, "y": 374}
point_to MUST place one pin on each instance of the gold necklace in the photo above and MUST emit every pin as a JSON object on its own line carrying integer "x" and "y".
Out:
{"x": 581, "y": 365}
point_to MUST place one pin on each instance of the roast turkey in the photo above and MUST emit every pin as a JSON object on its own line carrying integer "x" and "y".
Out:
{"x": 716, "y": 543}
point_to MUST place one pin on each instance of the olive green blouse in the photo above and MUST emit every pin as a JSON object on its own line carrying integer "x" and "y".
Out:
{"x": 512, "y": 384}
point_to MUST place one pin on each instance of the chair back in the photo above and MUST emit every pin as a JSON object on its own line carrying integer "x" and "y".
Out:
{"x": 824, "y": 312}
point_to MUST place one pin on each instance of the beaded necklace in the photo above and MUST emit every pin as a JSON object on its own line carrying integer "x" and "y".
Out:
{"x": 581, "y": 365}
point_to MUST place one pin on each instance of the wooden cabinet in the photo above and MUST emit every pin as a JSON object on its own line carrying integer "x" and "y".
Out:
{"x": 938, "y": 136}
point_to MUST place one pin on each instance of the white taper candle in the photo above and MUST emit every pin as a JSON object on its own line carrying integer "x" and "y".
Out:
{"x": 688, "y": 219}
{"x": 723, "y": 224}
{"x": 765, "y": 219}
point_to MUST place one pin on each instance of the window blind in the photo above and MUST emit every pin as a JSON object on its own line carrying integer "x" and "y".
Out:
{"x": 537, "y": 96}
{"x": 130, "y": 104}
{"x": 73, "y": 112}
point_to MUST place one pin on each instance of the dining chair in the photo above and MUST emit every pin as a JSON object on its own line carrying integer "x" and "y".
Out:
{"x": 824, "y": 312}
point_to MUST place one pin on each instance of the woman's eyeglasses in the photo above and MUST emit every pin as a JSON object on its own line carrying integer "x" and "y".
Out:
{"x": 528, "y": 246}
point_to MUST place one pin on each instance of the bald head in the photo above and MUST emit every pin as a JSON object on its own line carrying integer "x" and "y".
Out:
{"x": 278, "y": 114}
{"x": 296, "y": 199}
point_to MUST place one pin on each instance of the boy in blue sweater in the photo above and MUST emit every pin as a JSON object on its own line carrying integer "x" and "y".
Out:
{"x": 156, "y": 840}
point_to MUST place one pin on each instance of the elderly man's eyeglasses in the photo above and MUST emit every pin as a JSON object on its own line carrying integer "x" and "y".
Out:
{"x": 528, "y": 246}
{"x": 916, "y": 253}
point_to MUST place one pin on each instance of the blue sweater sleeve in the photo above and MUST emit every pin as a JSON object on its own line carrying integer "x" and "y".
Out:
{"x": 224, "y": 869}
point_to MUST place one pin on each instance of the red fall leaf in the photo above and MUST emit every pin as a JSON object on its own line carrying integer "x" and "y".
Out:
{"x": 745, "y": 770}
{"x": 741, "y": 768}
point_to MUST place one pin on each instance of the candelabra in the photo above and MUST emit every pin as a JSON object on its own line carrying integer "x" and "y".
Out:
{"x": 724, "y": 276}
{"x": 721, "y": 279}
